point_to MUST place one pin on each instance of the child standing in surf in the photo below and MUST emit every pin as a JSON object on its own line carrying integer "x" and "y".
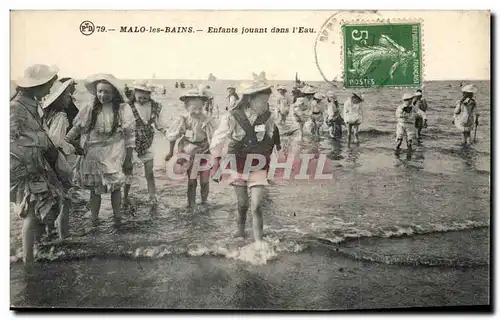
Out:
{"x": 232, "y": 98}
{"x": 249, "y": 128}
{"x": 465, "y": 115}
{"x": 106, "y": 129}
{"x": 353, "y": 116}
{"x": 334, "y": 119}
{"x": 283, "y": 105}
{"x": 148, "y": 115}
{"x": 405, "y": 116}
{"x": 317, "y": 110}
{"x": 302, "y": 107}
{"x": 194, "y": 131}
{"x": 421, "y": 104}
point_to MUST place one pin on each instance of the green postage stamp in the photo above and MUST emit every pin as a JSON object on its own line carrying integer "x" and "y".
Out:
{"x": 382, "y": 55}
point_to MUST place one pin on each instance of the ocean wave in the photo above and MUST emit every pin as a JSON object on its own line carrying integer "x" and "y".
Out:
{"x": 342, "y": 245}
{"x": 239, "y": 249}
{"x": 372, "y": 132}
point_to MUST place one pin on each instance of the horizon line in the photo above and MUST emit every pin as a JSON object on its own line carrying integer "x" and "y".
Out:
{"x": 303, "y": 80}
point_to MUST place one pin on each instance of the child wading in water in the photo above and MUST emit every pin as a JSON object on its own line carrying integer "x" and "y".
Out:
{"x": 283, "y": 107}
{"x": 232, "y": 98}
{"x": 317, "y": 110}
{"x": 250, "y": 129}
{"x": 465, "y": 115}
{"x": 405, "y": 116}
{"x": 421, "y": 104}
{"x": 353, "y": 116}
{"x": 194, "y": 129}
{"x": 148, "y": 115}
{"x": 334, "y": 119}
{"x": 106, "y": 129}
{"x": 302, "y": 107}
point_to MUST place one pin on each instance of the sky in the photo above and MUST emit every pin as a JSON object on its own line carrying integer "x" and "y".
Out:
{"x": 456, "y": 44}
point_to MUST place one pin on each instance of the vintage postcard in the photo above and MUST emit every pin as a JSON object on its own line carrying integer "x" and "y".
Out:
{"x": 250, "y": 160}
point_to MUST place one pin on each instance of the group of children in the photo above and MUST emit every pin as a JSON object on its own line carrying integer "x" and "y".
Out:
{"x": 111, "y": 134}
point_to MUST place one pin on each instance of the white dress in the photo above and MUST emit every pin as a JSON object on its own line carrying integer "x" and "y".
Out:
{"x": 353, "y": 113}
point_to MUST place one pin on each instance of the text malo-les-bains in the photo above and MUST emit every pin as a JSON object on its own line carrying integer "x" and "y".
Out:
{"x": 151, "y": 29}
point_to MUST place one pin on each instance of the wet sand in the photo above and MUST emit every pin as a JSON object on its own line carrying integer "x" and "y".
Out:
{"x": 324, "y": 277}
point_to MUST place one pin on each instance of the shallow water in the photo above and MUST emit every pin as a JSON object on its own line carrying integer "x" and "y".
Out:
{"x": 375, "y": 192}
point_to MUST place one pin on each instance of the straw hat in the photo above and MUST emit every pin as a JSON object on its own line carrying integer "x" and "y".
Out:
{"x": 319, "y": 96}
{"x": 62, "y": 80}
{"x": 330, "y": 94}
{"x": 141, "y": 85}
{"x": 408, "y": 96}
{"x": 254, "y": 87}
{"x": 55, "y": 92}
{"x": 358, "y": 94}
{"x": 194, "y": 93}
{"x": 469, "y": 88}
{"x": 281, "y": 88}
{"x": 91, "y": 86}
{"x": 37, "y": 75}
{"x": 308, "y": 90}
{"x": 231, "y": 87}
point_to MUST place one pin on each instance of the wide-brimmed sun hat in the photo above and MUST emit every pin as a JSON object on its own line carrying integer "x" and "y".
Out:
{"x": 90, "y": 82}
{"x": 469, "y": 88}
{"x": 230, "y": 87}
{"x": 308, "y": 90}
{"x": 408, "y": 96}
{"x": 358, "y": 94}
{"x": 55, "y": 92}
{"x": 281, "y": 88}
{"x": 194, "y": 93}
{"x": 319, "y": 96}
{"x": 62, "y": 80}
{"x": 141, "y": 85}
{"x": 254, "y": 87}
{"x": 37, "y": 75}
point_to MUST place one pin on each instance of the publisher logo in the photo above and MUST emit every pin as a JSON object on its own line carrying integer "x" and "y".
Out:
{"x": 87, "y": 28}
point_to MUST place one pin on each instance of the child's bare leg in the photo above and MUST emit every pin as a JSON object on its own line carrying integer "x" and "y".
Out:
{"x": 204, "y": 186}
{"x": 191, "y": 192}
{"x": 126, "y": 190}
{"x": 95, "y": 205}
{"x": 409, "y": 142}
{"x": 356, "y": 133}
{"x": 150, "y": 179}
{"x": 349, "y": 133}
{"x": 63, "y": 228}
{"x": 242, "y": 195}
{"x": 116, "y": 203}
{"x": 30, "y": 227}
{"x": 399, "y": 141}
{"x": 256, "y": 208}
{"x": 301, "y": 129}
